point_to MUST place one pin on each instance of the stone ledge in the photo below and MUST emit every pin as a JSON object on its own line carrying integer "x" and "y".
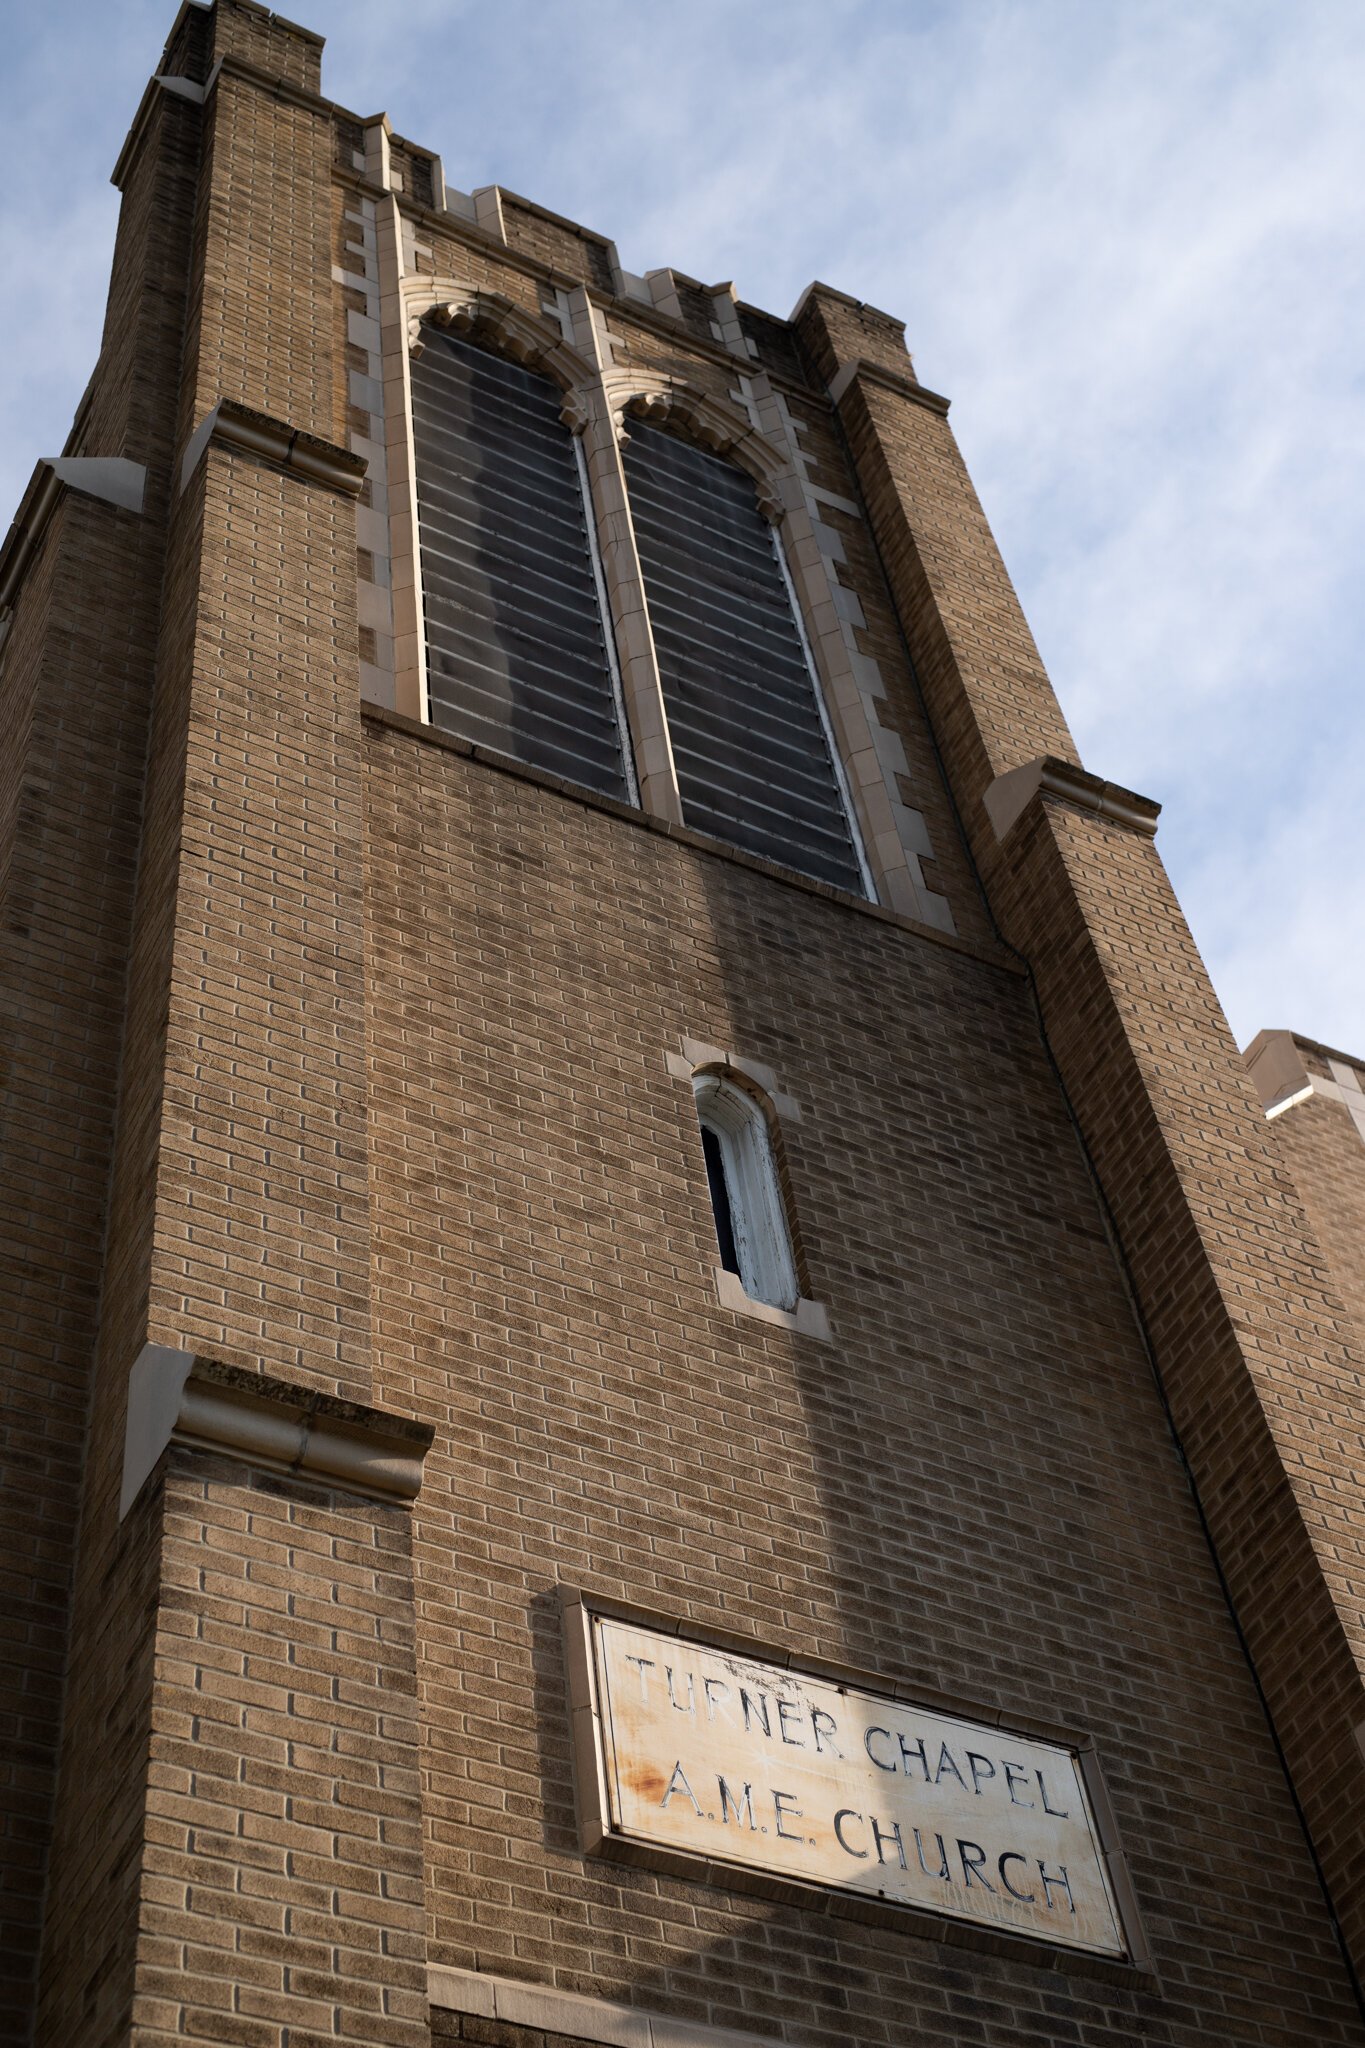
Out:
{"x": 257, "y": 433}
{"x": 178, "y": 1397}
{"x": 891, "y": 380}
{"x": 569, "y": 2013}
{"x": 178, "y": 88}
{"x": 112, "y": 478}
{"x": 1011, "y": 793}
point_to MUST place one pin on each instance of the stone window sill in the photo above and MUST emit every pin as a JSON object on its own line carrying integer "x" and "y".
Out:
{"x": 808, "y": 1318}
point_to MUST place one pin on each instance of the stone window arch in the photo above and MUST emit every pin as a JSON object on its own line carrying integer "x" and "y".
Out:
{"x": 604, "y": 404}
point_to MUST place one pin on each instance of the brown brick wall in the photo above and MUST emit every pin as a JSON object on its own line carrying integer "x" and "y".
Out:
{"x": 69, "y": 902}
{"x": 558, "y": 245}
{"x": 667, "y": 351}
{"x": 275, "y": 45}
{"x": 90, "y": 1921}
{"x": 989, "y": 697}
{"x": 45, "y": 1286}
{"x": 76, "y": 679}
{"x": 282, "y": 1874}
{"x": 124, "y": 1312}
{"x": 21, "y": 665}
{"x": 239, "y": 664}
{"x": 778, "y": 349}
{"x": 971, "y": 1489}
{"x": 478, "y": 264}
{"x": 447, "y": 2027}
{"x": 261, "y": 329}
{"x": 204, "y": 983}
{"x": 1254, "y": 1345}
{"x": 698, "y": 309}
{"x": 202, "y": 970}
{"x": 189, "y": 48}
{"x": 834, "y": 329}
{"x": 261, "y": 1245}
{"x": 133, "y": 393}
{"x": 394, "y": 1122}
{"x": 1321, "y": 1149}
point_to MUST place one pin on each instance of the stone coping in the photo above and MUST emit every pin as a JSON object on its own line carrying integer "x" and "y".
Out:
{"x": 112, "y": 478}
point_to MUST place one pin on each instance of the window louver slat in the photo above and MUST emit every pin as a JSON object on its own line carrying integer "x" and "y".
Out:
{"x": 516, "y": 656}
{"x": 752, "y": 757}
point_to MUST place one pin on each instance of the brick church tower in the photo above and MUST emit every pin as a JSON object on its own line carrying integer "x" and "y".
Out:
{"x": 665, "y": 1383}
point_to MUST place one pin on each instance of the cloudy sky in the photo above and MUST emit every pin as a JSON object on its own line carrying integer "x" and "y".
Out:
{"x": 1126, "y": 236}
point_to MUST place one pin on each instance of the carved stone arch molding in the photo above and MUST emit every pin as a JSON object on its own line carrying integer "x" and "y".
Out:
{"x": 715, "y": 425}
{"x": 506, "y": 328}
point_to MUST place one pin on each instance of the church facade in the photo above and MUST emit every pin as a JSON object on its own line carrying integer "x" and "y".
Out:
{"x": 666, "y": 1382}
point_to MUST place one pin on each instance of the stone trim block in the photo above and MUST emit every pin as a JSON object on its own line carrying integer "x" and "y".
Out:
{"x": 178, "y": 1397}
{"x": 1283, "y": 1077}
{"x": 570, "y": 2013}
{"x": 908, "y": 387}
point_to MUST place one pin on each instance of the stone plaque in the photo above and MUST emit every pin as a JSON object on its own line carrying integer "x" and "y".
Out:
{"x": 698, "y": 1753}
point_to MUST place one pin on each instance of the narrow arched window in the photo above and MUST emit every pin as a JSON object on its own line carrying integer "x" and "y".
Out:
{"x": 755, "y": 758}
{"x": 746, "y": 1195}
{"x": 519, "y": 653}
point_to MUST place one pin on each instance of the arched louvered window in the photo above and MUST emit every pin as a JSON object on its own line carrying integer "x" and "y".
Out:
{"x": 755, "y": 759}
{"x": 746, "y": 1197}
{"x": 519, "y": 656}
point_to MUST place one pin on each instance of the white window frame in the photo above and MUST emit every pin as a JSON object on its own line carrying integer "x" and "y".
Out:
{"x": 758, "y": 1214}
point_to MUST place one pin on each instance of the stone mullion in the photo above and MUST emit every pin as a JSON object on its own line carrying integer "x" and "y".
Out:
{"x": 398, "y": 487}
{"x": 655, "y": 768}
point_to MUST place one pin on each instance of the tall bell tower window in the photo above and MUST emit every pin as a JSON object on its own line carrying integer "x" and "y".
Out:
{"x": 755, "y": 759}
{"x": 519, "y": 652}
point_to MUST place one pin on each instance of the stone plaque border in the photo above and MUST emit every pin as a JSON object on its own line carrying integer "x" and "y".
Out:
{"x": 599, "y": 1838}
